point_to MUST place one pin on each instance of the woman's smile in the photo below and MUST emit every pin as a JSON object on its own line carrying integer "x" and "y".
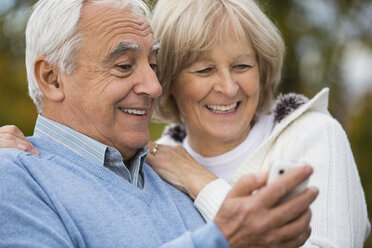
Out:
{"x": 223, "y": 109}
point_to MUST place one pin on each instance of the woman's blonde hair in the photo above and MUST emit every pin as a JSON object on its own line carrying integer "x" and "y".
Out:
{"x": 187, "y": 29}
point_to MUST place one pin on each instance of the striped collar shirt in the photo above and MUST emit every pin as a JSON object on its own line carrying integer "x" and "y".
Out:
{"x": 93, "y": 150}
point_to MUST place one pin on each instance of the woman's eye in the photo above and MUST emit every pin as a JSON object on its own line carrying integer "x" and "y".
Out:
{"x": 242, "y": 66}
{"x": 205, "y": 70}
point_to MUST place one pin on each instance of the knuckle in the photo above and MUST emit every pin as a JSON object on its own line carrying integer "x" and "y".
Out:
{"x": 309, "y": 230}
{"x": 302, "y": 238}
{"x": 11, "y": 128}
{"x": 251, "y": 208}
{"x": 262, "y": 227}
{"x": 241, "y": 180}
{"x": 302, "y": 226}
{"x": 270, "y": 240}
{"x": 281, "y": 218}
{"x": 246, "y": 209}
{"x": 245, "y": 179}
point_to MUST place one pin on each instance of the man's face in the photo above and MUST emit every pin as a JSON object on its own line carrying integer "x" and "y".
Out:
{"x": 110, "y": 97}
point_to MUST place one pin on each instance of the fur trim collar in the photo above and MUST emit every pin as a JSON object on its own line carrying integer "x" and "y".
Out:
{"x": 284, "y": 106}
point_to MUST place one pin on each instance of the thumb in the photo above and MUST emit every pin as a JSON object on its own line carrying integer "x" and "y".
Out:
{"x": 247, "y": 184}
{"x": 31, "y": 149}
{"x": 34, "y": 151}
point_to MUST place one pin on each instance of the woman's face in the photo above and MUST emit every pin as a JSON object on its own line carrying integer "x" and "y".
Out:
{"x": 218, "y": 96}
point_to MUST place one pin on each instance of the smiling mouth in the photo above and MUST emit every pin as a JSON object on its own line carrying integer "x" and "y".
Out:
{"x": 222, "y": 109}
{"x": 139, "y": 112}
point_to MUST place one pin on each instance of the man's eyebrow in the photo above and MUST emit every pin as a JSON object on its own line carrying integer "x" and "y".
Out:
{"x": 155, "y": 48}
{"x": 120, "y": 49}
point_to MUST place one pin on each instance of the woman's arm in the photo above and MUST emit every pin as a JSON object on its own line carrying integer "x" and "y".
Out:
{"x": 340, "y": 216}
{"x": 210, "y": 198}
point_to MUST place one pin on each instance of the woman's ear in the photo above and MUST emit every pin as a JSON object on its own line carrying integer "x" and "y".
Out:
{"x": 48, "y": 79}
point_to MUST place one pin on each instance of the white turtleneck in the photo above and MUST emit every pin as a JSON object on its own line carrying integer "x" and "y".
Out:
{"x": 226, "y": 164}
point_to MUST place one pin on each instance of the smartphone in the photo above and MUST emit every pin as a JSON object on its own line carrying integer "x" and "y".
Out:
{"x": 279, "y": 168}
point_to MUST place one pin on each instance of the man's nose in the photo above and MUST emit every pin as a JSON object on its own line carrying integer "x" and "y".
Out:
{"x": 148, "y": 83}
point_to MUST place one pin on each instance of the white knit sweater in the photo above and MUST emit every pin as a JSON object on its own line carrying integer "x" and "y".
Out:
{"x": 339, "y": 214}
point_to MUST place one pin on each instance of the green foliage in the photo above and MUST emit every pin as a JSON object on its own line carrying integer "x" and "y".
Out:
{"x": 15, "y": 107}
{"x": 360, "y": 134}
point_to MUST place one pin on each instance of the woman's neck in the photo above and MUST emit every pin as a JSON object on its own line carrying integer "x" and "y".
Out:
{"x": 209, "y": 147}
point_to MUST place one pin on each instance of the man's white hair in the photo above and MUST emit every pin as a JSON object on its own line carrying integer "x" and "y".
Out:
{"x": 53, "y": 31}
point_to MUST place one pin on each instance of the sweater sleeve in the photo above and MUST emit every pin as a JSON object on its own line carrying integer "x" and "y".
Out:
{"x": 339, "y": 214}
{"x": 207, "y": 236}
{"x": 23, "y": 204}
{"x": 211, "y": 197}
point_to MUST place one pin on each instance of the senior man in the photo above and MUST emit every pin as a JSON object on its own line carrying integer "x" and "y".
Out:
{"x": 90, "y": 67}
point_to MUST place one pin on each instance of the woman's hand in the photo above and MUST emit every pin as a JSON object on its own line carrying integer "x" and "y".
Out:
{"x": 12, "y": 137}
{"x": 175, "y": 165}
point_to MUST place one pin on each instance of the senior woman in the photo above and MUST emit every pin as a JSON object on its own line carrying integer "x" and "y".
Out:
{"x": 220, "y": 62}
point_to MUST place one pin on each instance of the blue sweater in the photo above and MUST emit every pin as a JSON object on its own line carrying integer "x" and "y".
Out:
{"x": 60, "y": 199}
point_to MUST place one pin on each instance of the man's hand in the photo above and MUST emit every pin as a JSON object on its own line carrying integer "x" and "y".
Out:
{"x": 250, "y": 219}
{"x": 12, "y": 137}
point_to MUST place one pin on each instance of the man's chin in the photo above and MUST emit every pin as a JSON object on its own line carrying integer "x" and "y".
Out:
{"x": 132, "y": 143}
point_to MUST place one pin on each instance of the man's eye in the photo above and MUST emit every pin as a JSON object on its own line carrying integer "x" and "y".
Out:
{"x": 154, "y": 67}
{"x": 125, "y": 67}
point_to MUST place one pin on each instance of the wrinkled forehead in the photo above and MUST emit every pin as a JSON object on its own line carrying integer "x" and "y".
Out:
{"x": 107, "y": 30}
{"x": 103, "y": 19}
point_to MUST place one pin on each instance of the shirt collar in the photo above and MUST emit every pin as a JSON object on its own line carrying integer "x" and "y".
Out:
{"x": 71, "y": 139}
{"x": 132, "y": 170}
{"x": 91, "y": 149}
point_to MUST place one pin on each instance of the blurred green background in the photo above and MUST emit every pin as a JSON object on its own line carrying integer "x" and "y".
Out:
{"x": 329, "y": 44}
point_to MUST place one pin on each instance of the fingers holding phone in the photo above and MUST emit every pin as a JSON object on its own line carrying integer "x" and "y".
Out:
{"x": 259, "y": 217}
{"x": 288, "y": 186}
{"x": 280, "y": 168}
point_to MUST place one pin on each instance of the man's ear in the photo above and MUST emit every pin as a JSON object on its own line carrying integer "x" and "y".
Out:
{"x": 48, "y": 79}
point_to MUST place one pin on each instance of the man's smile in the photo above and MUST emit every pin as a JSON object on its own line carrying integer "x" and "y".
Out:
{"x": 139, "y": 112}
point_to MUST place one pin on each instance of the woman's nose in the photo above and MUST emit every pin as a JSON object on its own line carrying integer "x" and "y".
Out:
{"x": 227, "y": 85}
